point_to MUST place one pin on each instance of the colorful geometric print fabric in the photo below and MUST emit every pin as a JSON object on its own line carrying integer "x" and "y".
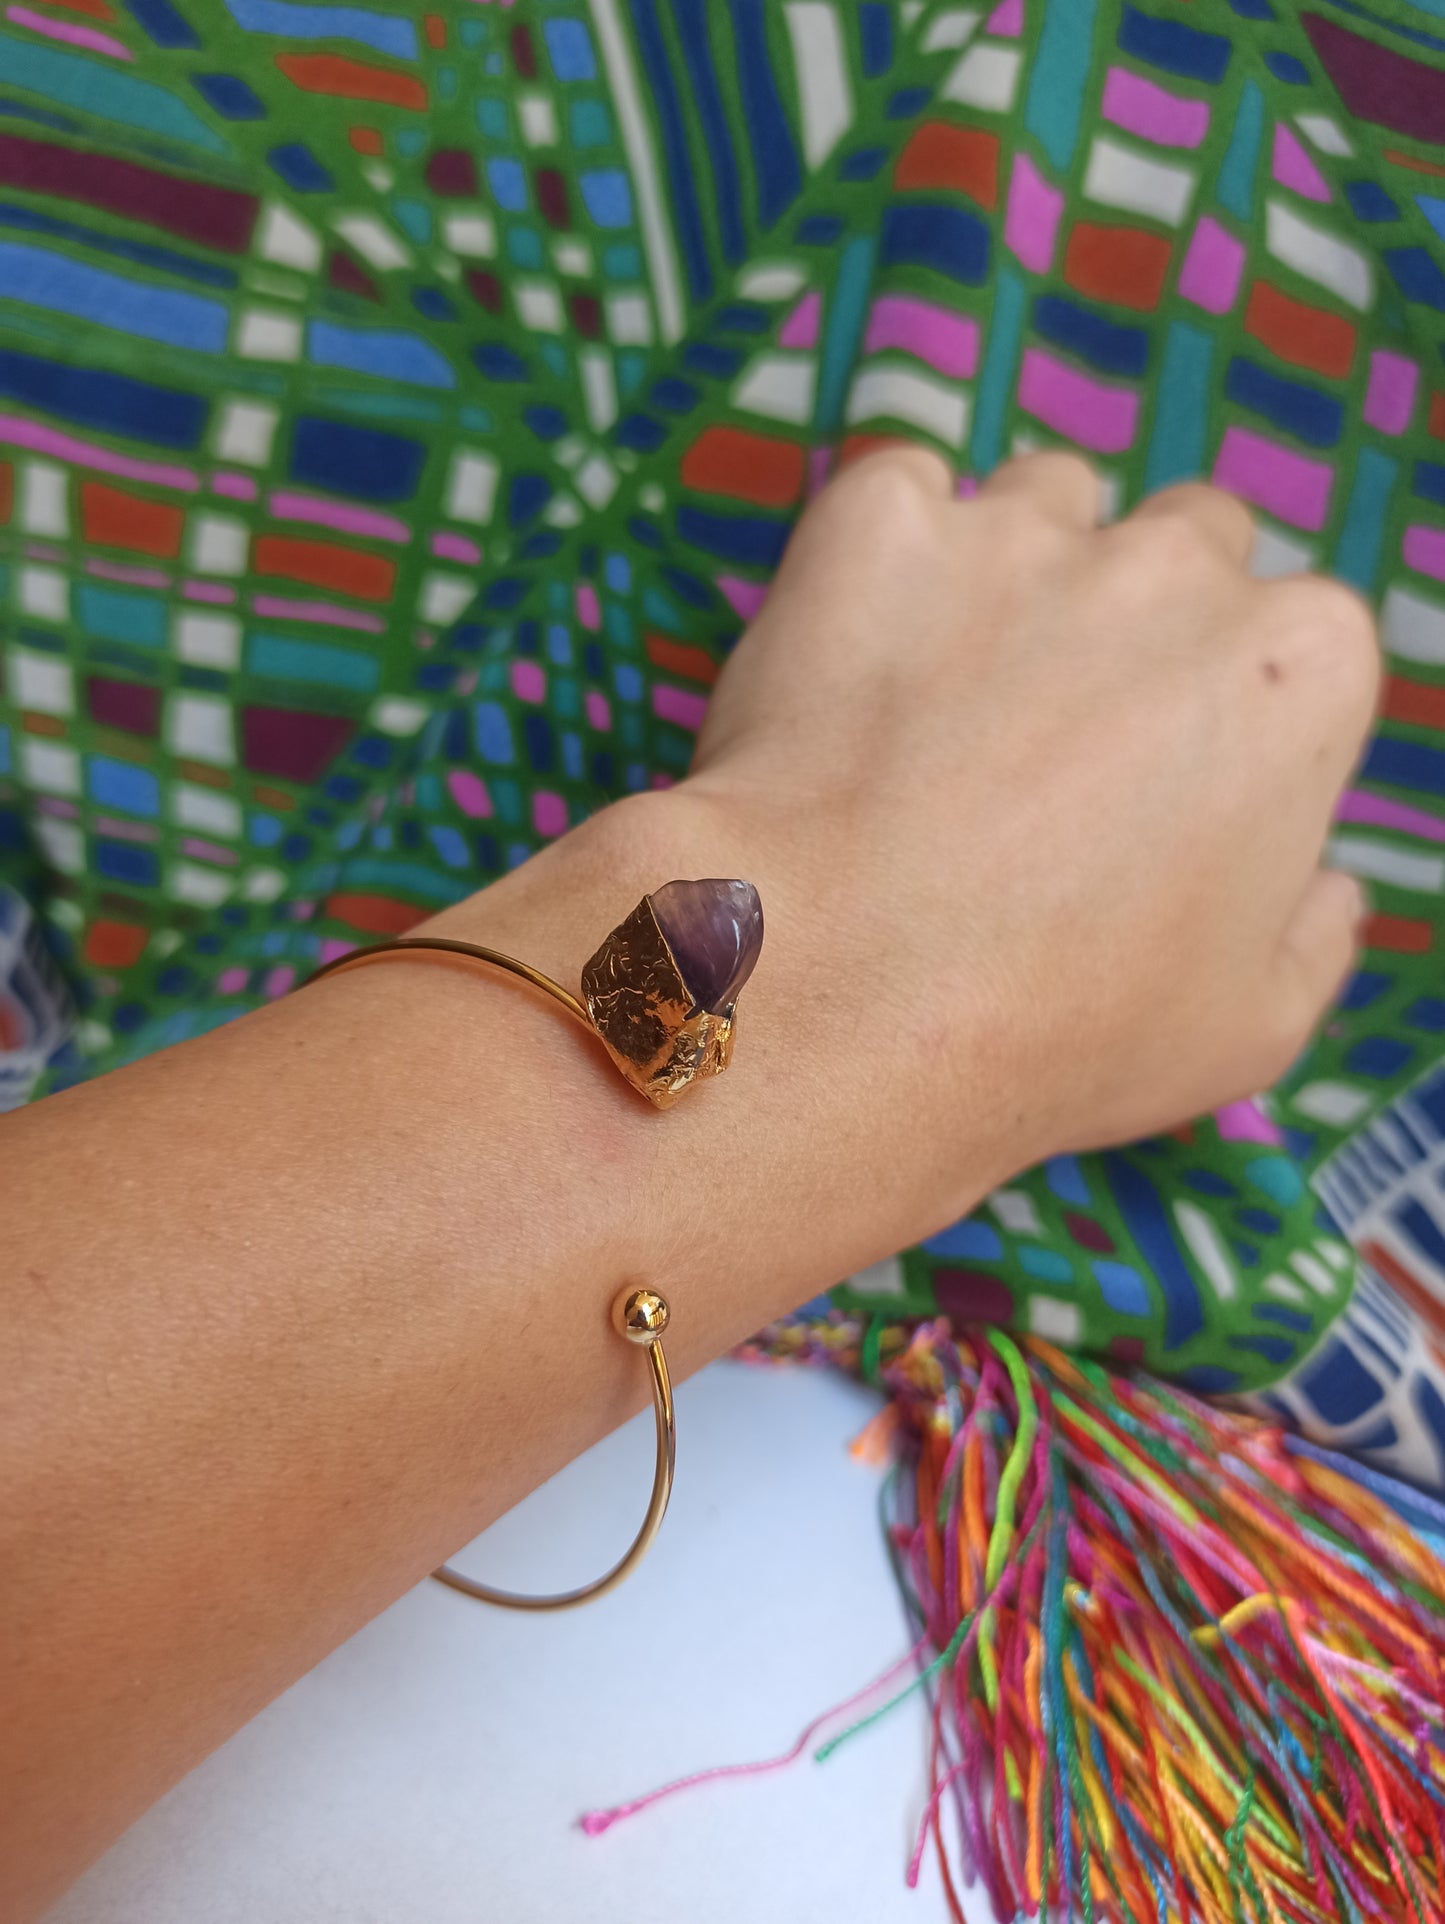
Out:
{"x": 401, "y": 415}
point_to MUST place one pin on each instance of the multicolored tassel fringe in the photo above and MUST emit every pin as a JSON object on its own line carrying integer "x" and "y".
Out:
{"x": 1182, "y": 1665}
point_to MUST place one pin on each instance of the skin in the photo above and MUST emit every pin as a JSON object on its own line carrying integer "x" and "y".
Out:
{"x": 1036, "y": 811}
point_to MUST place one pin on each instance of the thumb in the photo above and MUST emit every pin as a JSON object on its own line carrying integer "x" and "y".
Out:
{"x": 1318, "y": 947}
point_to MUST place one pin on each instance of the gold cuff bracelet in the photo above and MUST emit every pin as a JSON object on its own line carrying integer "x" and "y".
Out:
{"x": 660, "y": 995}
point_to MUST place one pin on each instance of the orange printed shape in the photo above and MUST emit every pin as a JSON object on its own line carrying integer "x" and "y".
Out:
{"x": 940, "y": 157}
{"x": 1120, "y": 264}
{"x": 115, "y": 945}
{"x": 333, "y": 73}
{"x": 1400, "y": 934}
{"x": 7, "y": 490}
{"x": 677, "y": 658}
{"x": 326, "y": 564}
{"x": 114, "y": 518}
{"x": 1300, "y": 333}
{"x": 1416, "y": 702}
{"x": 375, "y": 914}
{"x": 750, "y": 467}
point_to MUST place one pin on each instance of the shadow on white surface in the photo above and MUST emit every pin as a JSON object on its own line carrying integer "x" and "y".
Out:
{"x": 434, "y": 1767}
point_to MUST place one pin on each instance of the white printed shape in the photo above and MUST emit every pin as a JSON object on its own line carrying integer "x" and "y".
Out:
{"x": 199, "y": 726}
{"x": 61, "y": 843}
{"x": 953, "y": 27}
{"x": 1276, "y": 554}
{"x": 52, "y": 767}
{"x": 1327, "y": 135}
{"x": 599, "y": 389}
{"x": 880, "y": 1279}
{"x": 1208, "y": 1250}
{"x": 821, "y": 70}
{"x": 245, "y": 432}
{"x": 398, "y": 715}
{"x": 539, "y": 306}
{"x": 907, "y": 394}
{"x": 473, "y": 235}
{"x": 44, "y": 498}
{"x": 1015, "y": 1209}
{"x": 1285, "y": 1288}
{"x": 1413, "y": 627}
{"x": 779, "y": 386}
{"x": 1335, "y": 1103}
{"x": 43, "y": 683}
{"x": 771, "y": 281}
{"x": 1319, "y": 255}
{"x": 629, "y": 320}
{"x": 1120, "y": 176}
{"x": 264, "y": 334}
{"x": 263, "y": 884}
{"x": 986, "y": 78}
{"x": 219, "y": 544}
{"x": 289, "y": 241}
{"x": 373, "y": 240}
{"x": 444, "y": 596}
{"x": 538, "y": 119}
{"x": 190, "y": 882}
{"x": 1379, "y": 861}
{"x": 1055, "y": 1321}
{"x": 207, "y": 641}
{"x": 471, "y": 486}
{"x": 562, "y": 511}
{"x": 624, "y": 85}
{"x": 44, "y": 593}
{"x": 596, "y": 481}
{"x": 205, "y": 810}
{"x": 572, "y": 257}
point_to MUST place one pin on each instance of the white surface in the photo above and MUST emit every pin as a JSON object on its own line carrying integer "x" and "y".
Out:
{"x": 433, "y": 1767}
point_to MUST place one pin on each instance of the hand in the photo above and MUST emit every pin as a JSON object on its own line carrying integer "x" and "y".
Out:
{"x": 1052, "y": 801}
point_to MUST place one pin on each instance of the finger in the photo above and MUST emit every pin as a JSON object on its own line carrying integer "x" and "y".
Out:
{"x": 911, "y": 459}
{"x": 1317, "y": 949}
{"x": 1223, "y": 517}
{"x": 1058, "y": 483}
{"x": 1319, "y": 649}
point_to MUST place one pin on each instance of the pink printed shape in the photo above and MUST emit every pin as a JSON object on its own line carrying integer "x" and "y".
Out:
{"x": 743, "y": 597}
{"x": 232, "y": 981}
{"x": 529, "y": 681}
{"x": 1390, "y": 396}
{"x": 549, "y": 813}
{"x": 947, "y": 342}
{"x": 1277, "y": 479}
{"x": 1293, "y": 167}
{"x": 321, "y": 513}
{"x": 599, "y": 711}
{"x": 1424, "y": 551}
{"x": 469, "y": 792}
{"x": 1212, "y": 268}
{"x": 20, "y": 433}
{"x": 801, "y": 327}
{"x": 1031, "y": 223}
{"x": 1006, "y": 20}
{"x": 72, "y": 34}
{"x": 455, "y": 547}
{"x": 1152, "y": 112}
{"x": 1089, "y": 413}
{"x": 678, "y": 705}
{"x": 327, "y": 614}
{"x": 239, "y": 487}
{"x": 279, "y": 981}
{"x": 589, "y": 610}
{"x": 1246, "y": 1122}
{"x": 1377, "y": 811}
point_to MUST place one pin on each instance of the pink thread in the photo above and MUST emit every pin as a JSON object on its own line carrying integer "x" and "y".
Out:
{"x": 594, "y": 1822}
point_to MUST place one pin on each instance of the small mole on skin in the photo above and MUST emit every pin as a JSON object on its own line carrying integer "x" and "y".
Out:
{"x": 1273, "y": 671}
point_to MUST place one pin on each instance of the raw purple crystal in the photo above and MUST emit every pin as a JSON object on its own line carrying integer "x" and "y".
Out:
{"x": 715, "y": 932}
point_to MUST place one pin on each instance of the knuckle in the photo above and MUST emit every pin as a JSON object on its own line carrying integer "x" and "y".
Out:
{"x": 1338, "y": 630}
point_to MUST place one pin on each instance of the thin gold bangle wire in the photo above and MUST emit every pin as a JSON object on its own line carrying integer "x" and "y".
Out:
{"x": 662, "y": 1405}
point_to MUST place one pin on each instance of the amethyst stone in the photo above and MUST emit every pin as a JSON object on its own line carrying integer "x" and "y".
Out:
{"x": 715, "y": 932}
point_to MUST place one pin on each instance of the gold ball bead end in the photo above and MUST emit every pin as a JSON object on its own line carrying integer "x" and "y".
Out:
{"x": 640, "y": 1315}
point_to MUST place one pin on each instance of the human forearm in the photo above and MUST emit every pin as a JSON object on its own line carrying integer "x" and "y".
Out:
{"x": 366, "y": 1311}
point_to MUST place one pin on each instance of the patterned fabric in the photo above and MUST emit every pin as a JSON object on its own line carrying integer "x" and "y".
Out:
{"x": 400, "y": 416}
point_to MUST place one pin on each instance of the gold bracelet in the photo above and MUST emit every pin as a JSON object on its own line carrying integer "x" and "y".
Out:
{"x": 660, "y": 994}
